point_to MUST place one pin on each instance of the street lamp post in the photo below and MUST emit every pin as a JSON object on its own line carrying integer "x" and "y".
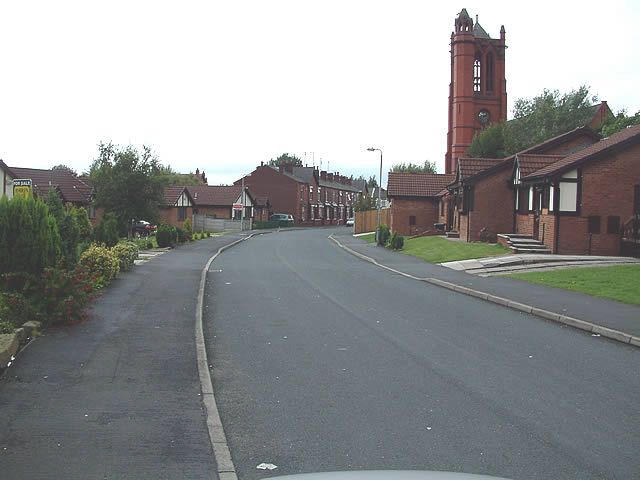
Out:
{"x": 371, "y": 149}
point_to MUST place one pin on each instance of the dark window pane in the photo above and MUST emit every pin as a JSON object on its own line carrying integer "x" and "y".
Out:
{"x": 412, "y": 220}
{"x": 594, "y": 224}
{"x": 613, "y": 224}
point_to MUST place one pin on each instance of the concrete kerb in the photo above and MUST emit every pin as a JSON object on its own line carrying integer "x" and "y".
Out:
{"x": 220, "y": 448}
{"x": 538, "y": 312}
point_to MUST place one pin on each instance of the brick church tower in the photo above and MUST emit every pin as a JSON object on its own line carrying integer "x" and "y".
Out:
{"x": 478, "y": 88}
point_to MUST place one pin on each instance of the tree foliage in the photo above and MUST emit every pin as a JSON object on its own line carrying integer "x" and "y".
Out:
{"x": 286, "y": 159}
{"x": 372, "y": 182}
{"x": 534, "y": 121}
{"x": 64, "y": 168}
{"x": 128, "y": 183}
{"x": 618, "y": 122}
{"x": 427, "y": 167}
{"x": 170, "y": 177}
{"x": 67, "y": 226}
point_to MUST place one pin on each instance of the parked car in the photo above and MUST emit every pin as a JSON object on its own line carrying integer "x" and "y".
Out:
{"x": 282, "y": 218}
{"x": 349, "y": 222}
{"x": 143, "y": 228}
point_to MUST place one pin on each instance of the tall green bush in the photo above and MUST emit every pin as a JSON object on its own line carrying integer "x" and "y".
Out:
{"x": 383, "y": 235}
{"x": 67, "y": 226}
{"x": 103, "y": 264}
{"x": 396, "y": 242}
{"x": 107, "y": 230}
{"x": 166, "y": 236}
{"x": 29, "y": 236}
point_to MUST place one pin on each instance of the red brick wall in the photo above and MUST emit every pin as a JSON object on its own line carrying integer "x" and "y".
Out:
{"x": 283, "y": 192}
{"x": 547, "y": 232}
{"x": 493, "y": 205}
{"x": 524, "y": 223}
{"x": 607, "y": 190}
{"x": 169, "y": 215}
{"x": 218, "y": 212}
{"x": 424, "y": 209}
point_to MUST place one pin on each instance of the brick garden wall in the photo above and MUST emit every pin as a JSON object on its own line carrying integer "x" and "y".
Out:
{"x": 425, "y": 209}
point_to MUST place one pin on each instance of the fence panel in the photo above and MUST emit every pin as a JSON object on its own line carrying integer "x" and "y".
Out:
{"x": 206, "y": 223}
{"x": 366, "y": 221}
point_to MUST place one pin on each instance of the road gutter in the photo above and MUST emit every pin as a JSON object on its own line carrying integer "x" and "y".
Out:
{"x": 505, "y": 302}
{"x": 221, "y": 452}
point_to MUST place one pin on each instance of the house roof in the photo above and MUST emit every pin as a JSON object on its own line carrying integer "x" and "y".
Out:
{"x": 6, "y": 168}
{"x": 617, "y": 140}
{"x": 469, "y": 167}
{"x": 207, "y": 195}
{"x": 172, "y": 194}
{"x": 478, "y": 31}
{"x": 417, "y": 184}
{"x": 360, "y": 184}
{"x": 530, "y": 163}
{"x": 305, "y": 174}
{"x": 70, "y": 186}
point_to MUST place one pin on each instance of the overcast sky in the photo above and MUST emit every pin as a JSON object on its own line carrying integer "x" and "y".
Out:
{"x": 221, "y": 86}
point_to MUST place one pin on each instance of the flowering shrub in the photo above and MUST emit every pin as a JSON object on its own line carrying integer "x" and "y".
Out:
{"x": 127, "y": 253}
{"x": 102, "y": 262}
{"x": 66, "y": 293}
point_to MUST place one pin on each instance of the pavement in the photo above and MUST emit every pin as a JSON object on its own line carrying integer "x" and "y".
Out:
{"x": 600, "y": 311}
{"x": 521, "y": 263}
{"x": 323, "y": 362}
{"x": 117, "y": 396}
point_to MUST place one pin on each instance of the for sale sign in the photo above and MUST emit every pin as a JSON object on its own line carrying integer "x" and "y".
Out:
{"x": 22, "y": 187}
{"x": 237, "y": 206}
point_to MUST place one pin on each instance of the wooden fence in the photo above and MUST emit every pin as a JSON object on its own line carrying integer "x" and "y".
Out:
{"x": 206, "y": 223}
{"x": 367, "y": 221}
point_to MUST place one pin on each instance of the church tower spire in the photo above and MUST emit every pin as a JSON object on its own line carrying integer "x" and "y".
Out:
{"x": 477, "y": 92}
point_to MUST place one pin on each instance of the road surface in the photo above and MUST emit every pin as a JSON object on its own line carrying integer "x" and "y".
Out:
{"x": 324, "y": 362}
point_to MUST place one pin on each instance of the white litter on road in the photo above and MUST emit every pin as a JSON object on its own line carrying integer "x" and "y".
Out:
{"x": 595, "y": 334}
{"x": 266, "y": 466}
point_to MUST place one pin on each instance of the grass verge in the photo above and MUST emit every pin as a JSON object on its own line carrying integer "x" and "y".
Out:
{"x": 618, "y": 282}
{"x": 439, "y": 250}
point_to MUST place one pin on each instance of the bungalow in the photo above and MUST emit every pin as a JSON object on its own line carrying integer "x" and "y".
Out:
{"x": 73, "y": 190}
{"x": 585, "y": 202}
{"x": 414, "y": 201}
{"x": 177, "y": 205}
{"x": 218, "y": 201}
{"x": 479, "y": 203}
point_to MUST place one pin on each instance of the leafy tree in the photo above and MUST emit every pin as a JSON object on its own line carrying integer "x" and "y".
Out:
{"x": 171, "y": 177}
{"x": 372, "y": 182}
{"x": 618, "y": 122}
{"x": 365, "y": 203}
{"x": 534, "y": 121}
{"x": 84, "y": 224}
{"x": 64, "y": 168}
{"x": 286, "y": 160}
{"x": 67, "y": 226}
{"x": 107, "y": 230}
{"x": 428, "y": 167}
{"x": 128, "y": 184}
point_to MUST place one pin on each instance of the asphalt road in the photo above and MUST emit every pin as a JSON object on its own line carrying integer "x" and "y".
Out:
{"x": 324, "y": 362}
{"x": 117, "y": 396}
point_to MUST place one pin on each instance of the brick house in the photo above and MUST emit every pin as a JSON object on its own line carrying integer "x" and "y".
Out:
{"x": 414, "y": 201}
{"x": 217, "y": 201}
{"x": 177, "y": 205}
{"x": 482, "y": 197}
{"x": 578, "y": 203}
{"x": 313, "y": 197}
{"x": 73, "y": 190}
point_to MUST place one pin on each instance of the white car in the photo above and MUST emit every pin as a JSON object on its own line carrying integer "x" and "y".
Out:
{"x": 349, "y": 222}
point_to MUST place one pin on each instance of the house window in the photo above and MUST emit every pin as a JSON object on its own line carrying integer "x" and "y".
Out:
{"x": 552, "y": 190}
{"x": 594, "y": 223}
{"x": 522, "y": 200}
{"x": 476, "y": 74}
{"x": 530, "y": 199}
{"x": 412, "y": 220}
{"x": 182, "y": 213}
{"x": 568, "y": 196}
{"x": 636, "y": 199}
{"x": 613, "y": 224}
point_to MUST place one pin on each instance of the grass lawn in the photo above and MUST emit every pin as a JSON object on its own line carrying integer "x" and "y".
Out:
{"x": 619, "y": 282}
{"x": 439, "y": 250}
{"x": 369, "y": 237}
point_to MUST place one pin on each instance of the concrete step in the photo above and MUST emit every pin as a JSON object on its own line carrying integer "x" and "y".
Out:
{"x": 523, "y": 240}
{"x": 529, "y": 250}
{"x": 453, "y": 234}
{"x": 514, "y": 235}
{"x": 530, "y": 245}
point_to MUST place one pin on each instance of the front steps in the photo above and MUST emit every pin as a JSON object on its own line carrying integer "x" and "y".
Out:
{"x": 520, "y": 243}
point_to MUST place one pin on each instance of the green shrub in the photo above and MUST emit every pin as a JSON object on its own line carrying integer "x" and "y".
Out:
{"x": 6, "y": 327}
{"x": 107, "y": 230}
{"x": 208, "y": 234}
{"x": 29, "y": 236}
{"x": 187, "y": 227}
{"x": 127, "y": 253}
{"x": 166, "y": 236}
{"x": 84, "y": 224}
{"x": 102, "y": 263}
{"x": 396, "y": 242}
{"x": 15, "y": 307}
{"x": 383, "y": 235}
{"x": 66, "y": 294}
{"x": 149, "y": 244}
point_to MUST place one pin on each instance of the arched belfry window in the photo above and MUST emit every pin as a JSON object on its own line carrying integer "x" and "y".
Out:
{"x": 489, "y": 72}
{"x": 476, "y": 74}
